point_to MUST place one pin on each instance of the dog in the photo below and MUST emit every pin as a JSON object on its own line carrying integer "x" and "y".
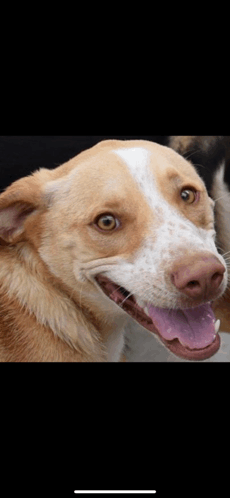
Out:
{"x": 124, "y": 229}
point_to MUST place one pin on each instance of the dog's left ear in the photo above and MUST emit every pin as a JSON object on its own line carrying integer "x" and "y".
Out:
{"x": 17, "y": 204}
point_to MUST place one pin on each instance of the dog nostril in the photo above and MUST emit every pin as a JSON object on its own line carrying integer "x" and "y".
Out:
{"x": 216, "y": 275}
{"x": 192, "y": 284}
{"x": 217, "y": 279}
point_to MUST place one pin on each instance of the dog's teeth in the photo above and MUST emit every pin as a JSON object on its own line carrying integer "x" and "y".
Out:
{"x": 146, "y": 310}
{"x": 217, "y": 326}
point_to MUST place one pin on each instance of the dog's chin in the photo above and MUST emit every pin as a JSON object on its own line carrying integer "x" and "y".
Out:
{"x": 188, "y": 333}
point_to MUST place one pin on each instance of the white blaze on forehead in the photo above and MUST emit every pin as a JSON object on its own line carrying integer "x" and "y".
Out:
{"x": 138, "y": 159}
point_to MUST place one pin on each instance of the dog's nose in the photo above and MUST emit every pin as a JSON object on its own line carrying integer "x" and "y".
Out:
{"x": 199, "y": 278}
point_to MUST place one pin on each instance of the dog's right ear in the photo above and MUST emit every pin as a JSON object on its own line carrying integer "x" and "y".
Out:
{"x": 17, "y": 203}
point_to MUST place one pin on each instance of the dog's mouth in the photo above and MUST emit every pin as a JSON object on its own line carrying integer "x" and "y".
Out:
{"x": 188, "y": 333}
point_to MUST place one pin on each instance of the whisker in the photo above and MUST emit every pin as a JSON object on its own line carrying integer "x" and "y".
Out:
{"x": 143, "y": 287}
{"x": 222, "y": 197}
{"x": 121, "y": 287}
{"x": 201, "y": 165}
{"x": 219, "y": 247}
{"x": 126, "y": 298}
{"x": 191, "y": 154}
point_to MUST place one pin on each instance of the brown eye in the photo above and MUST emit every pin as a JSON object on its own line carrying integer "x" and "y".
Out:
{"x": 107, "y": 222}
{"x": 188, "y": 195}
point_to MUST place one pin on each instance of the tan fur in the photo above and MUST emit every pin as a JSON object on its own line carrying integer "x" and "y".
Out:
{"x": 49, "y": 310}
{"x": 36, "y": 313}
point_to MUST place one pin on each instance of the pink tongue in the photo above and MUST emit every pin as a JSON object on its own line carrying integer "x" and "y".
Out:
{"x": 193, "y": 327}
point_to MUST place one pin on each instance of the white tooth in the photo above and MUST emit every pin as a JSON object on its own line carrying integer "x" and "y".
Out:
{"x": 146, "y": 310}
{"x": 217, "y": 326}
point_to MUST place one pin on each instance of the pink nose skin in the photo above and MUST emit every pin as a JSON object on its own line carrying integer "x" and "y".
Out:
{"x": 199, "y": 276}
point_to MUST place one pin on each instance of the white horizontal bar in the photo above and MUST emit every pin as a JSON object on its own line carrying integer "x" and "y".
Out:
{"x": 115, "y": 492}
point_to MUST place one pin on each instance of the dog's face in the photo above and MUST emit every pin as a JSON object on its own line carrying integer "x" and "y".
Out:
{"x": 132, "y": 223}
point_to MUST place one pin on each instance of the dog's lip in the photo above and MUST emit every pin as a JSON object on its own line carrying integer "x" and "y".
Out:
{"x": 193, "y": 354}
{"x": 130, "y": 306}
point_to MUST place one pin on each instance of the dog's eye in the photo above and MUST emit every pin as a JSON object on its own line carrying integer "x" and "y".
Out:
{"x": 188, "y": 195}
{"x": 107, "y": 222}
